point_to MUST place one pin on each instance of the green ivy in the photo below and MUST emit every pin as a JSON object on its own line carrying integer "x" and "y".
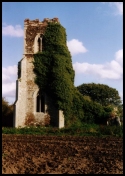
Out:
{"x": 54, "y": 70}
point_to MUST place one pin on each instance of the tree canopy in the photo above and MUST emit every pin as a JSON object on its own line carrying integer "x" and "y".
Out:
{"x": 100, "y": 93}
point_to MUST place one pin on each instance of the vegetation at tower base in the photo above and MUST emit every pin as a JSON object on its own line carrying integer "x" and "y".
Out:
{"x": 95, "y": 112}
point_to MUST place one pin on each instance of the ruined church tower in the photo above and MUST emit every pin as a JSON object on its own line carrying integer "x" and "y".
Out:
{"x": 28, "y": 98}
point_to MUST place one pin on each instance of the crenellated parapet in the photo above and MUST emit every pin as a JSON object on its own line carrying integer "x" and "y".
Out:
{"x": 36, "y": 21}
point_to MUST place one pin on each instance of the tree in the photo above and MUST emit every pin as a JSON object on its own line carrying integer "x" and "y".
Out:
{"x": 7, "y": 113}
{"x": 100, "y": 93}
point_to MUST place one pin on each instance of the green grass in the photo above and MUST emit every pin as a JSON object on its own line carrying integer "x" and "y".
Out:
{"x": 84, "y": 130}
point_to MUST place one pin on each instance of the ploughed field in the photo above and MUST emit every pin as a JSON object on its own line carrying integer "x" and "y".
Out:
{"x": 33, "y": 154}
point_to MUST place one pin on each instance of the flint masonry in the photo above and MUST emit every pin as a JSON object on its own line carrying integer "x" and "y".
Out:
{"x": 28, "y": 98}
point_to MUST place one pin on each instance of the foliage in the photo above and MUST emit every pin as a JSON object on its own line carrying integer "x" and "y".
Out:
{"x": 120, "y": 111}
{"x": 95, "y": 112}
{"x": 83, "y": 130}
{"x": 76, "y": 111}
{"x": 53, "y": 68}
{"x": 111, "y": 130}
{"x": 100, "y": 93}
{"x": 7, "y": 113}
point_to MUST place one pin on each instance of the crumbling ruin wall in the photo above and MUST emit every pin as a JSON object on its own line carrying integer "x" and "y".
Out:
{"x": 26, "y": 89}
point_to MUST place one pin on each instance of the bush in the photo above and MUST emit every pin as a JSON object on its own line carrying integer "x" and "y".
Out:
{"x": 111, "y": 130}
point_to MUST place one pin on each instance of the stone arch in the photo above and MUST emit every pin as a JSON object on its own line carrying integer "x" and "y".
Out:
{"x": 38, "y": 43}
{"x": 39, "y": 101}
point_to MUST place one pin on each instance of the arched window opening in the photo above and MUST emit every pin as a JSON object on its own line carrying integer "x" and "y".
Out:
{"x": 40, "y": 43}
{"x": 40, "y": 103}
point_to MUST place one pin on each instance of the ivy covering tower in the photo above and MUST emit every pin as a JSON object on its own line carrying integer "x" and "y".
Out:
{"x": 53, "y": 67}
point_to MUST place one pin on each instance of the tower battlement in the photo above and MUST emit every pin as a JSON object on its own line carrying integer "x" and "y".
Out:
{"x": 27, "y": 21}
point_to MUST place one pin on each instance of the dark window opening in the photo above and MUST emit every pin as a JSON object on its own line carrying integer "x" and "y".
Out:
{"x": 40, "y": 43}
{"x": 19, "y": 70}
{"x": 40, "y": 103}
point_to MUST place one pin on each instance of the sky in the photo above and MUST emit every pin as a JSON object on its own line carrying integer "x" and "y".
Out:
{"x": 94, "y": 38}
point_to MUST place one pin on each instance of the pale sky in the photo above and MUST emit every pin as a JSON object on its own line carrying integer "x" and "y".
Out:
{"x": 94, "y": 38}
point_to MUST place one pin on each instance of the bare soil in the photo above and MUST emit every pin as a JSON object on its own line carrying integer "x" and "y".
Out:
{"x": 32, "y": 154}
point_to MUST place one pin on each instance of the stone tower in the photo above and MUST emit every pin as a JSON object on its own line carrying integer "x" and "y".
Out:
{"x": 29, "y": 101}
